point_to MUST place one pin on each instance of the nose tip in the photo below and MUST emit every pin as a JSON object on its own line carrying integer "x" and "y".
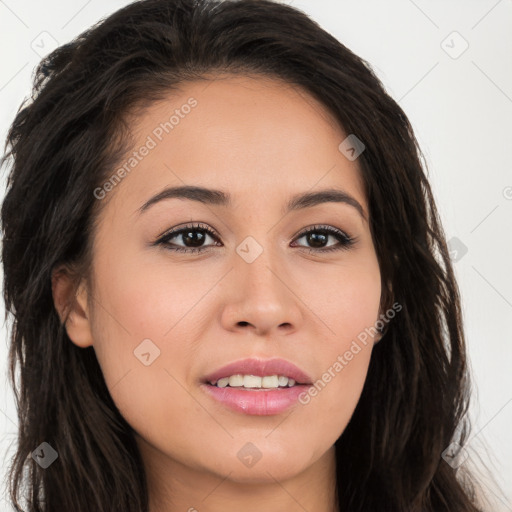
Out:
{"x": 261, "y": 297}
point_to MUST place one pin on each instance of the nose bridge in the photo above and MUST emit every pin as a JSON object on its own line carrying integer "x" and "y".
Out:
{"x": 264, "y": 298}
{"x": 259, "y": 268}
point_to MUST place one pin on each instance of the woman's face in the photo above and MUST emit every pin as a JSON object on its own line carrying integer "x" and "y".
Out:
{"x": 162, "y": 321}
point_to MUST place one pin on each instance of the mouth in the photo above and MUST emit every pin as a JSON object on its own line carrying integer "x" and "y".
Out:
{"x": 255, "y": 382}
{"x": 257, "y": 387}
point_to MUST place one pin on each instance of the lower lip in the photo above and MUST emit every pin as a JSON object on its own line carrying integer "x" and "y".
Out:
{"x": 259, "y": 402}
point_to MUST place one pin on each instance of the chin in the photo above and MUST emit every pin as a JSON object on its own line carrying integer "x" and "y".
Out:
{"x": 264, "y": 472}
{"x": 266, "y": 465}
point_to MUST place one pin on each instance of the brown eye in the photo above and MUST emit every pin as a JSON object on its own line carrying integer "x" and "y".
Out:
{"x": 318, "y": 236}
{"x": 192, "y": 237}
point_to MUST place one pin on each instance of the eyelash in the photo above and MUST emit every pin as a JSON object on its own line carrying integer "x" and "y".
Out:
{"x": 346, "y": 242}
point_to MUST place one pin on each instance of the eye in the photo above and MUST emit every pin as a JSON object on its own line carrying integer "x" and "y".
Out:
{"x": 194, "y": 236}
{"x": 319, "y": 235}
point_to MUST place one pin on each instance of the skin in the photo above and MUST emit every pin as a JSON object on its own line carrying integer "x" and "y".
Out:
{"x": 262, "y": 141}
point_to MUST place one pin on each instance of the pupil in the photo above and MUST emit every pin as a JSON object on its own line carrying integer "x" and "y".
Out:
{"x": 314, "y": 239}
{"x": 196, "y": 241}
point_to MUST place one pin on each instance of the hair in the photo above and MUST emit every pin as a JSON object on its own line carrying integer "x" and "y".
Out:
{"x": 65, "y": 141}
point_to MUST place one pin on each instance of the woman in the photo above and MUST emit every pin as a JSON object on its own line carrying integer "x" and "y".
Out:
{"x": 229, "y": 282}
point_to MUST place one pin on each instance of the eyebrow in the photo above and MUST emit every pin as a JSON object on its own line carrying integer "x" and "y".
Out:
{"x": 221, "y": 198}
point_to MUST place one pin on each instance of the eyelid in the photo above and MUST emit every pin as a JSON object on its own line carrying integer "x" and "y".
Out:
{"x": 321, "y": 227}
{"x": 192, "y": 225}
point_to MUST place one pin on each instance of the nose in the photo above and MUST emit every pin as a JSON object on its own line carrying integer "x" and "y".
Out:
{"x": 263, "y": 298}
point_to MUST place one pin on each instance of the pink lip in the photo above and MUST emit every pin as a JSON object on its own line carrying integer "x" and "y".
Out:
{"x": 260, "y": 402}
{"x": 260, "y": 368}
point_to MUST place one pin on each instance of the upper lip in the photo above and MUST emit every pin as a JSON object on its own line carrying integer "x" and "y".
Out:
{"x": 260, "y": 368}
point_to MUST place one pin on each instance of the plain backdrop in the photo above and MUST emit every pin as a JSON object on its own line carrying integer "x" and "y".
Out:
{"x": 449, "y": 66}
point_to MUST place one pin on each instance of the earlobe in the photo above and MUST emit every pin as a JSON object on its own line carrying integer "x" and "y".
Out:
{"x": 72, "y": 307}
{"x": 381, "y": 332}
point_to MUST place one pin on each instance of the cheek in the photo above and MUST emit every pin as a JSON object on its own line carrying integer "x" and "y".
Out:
{"x": 338, "y": 388}
{"x": 138, "y": 303}
{"x": 343, "y": 366}
{"x": 346, "y": 300}
{"x": 349, "y": 306}
{"x": 152, "y": 298}
{"x": 141, "y": 301}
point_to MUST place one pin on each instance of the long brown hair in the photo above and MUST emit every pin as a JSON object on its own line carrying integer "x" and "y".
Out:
{"x": 65, "y": 142}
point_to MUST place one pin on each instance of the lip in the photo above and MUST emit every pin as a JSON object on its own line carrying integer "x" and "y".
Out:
{"x": 260, "y": 368}
{"x": 258, "y": 402}
{"x": 262, "y": 401}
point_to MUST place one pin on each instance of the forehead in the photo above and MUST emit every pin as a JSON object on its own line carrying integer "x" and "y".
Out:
{"x": 257, "y": 137}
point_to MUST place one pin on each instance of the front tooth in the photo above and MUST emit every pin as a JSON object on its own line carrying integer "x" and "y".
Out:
{"x": 236, "y": 380}
{"x": 222, "y": 383}
{"x": 270, "y": 382}
{"x": 291, "y": 382}
{"x": 252, "y": 381}
{"x": 282, "y": 380}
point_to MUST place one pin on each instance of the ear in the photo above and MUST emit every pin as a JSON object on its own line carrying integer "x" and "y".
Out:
{"x": 72, "y": 307}
{"x": 378, "y": 337}
{"x": 380, "y": 332}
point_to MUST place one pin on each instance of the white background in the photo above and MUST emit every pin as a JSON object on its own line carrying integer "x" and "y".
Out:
{"x": 461, "y": 110}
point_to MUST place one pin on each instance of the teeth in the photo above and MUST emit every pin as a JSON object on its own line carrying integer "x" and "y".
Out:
{"x": 270, "y": 382}
{"x": 236, "y": 380}
{"x": 253, "y": 381}
{"x": 222, "y": 383}
{"x": 282, "y": 381}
